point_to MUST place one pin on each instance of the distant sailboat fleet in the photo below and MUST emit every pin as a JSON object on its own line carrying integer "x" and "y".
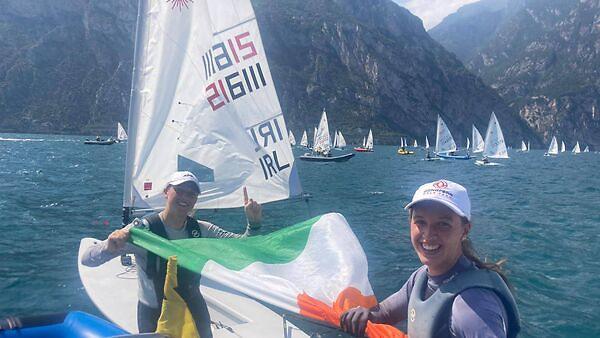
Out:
{"x": 492, "y": 147}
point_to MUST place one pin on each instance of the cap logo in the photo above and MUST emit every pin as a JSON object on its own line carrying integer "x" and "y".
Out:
{"x": 440, "y": 184}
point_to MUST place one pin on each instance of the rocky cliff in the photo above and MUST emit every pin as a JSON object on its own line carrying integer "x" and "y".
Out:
{"x": 370, "y": 65}
{"x": 542, "y": 56}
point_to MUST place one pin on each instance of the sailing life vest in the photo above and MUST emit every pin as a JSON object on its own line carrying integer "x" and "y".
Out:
{"x": 431, "y": 317}
{"x": 156, "y": 267}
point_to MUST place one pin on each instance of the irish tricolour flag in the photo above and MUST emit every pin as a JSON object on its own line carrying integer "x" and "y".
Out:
{"x": 316, "y": 268}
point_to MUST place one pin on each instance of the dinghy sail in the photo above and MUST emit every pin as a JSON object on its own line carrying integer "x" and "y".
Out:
{"x": 444, "y": 142}
{"x": 292, "y": 138}
{"x": 494, "y": 140}
{"x": 553, "y": 148}
{"x": 212, "y": 109}
{"x": 121, "y": 134}
{"x": 478, "y": 143}
{"x": 576, "y": 149}
{"x": 523, "y": 146}
{"x": 304, "y": 140}
{"x": 341, "y": 141}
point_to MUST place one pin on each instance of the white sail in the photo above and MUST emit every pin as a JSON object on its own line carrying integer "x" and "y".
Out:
{"x": 364, "y": 143}
{"x": 426, "y": 143}
{"x": 523, "y": 146}
{"x": 322, "y": 141}
{"x": 576, "y": 149}
{"x": 369, "y": 144}
{"x": 478, "y": 143}
{"x": 563, "y": 148}
{"x": 314, "y": 137}
{"x": 468, "y": 143}
{"x": 553, "y": 148}
{"x": 528, "y": 146}
{"x": 587, "y": 149}
{"x": 494, "y": 140}
{"x": 121, "y": 134}
{"x": 304, "y": 140}
{"x": 341, "y": 141}
{"x": 203, "y": 100}
{"x": 292, "y": 138}
{"x": 415, "y": 144}
{"x": 444, "y": 142}
{"x": 335, "y": 139}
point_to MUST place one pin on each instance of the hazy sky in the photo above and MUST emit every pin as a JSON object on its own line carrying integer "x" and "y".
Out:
{"x": 433, "y": 11}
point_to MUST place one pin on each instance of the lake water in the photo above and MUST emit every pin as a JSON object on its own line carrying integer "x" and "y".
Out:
{"x": 541, "y": 213}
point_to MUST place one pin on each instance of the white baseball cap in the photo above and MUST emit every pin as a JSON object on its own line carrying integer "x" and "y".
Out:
{"x": 450, "y": 194}
{"x": 180, "y": 177}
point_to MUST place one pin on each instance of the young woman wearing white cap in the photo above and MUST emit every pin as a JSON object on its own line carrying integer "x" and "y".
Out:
{"x": 174, "y": 222}
{"x": 454, "y": 293}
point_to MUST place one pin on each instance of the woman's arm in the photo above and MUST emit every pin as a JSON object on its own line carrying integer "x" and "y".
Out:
{"x": 478, "y": 312}
{"x": 115, "y": 245}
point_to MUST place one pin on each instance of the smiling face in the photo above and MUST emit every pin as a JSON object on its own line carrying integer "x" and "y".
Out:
{"x": 181, "y": 198}
{"x": 436, "y": 233}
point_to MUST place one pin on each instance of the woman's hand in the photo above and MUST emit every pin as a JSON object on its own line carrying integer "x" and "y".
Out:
{"x": 354, "y": 321}
{"x": 253, "y": 209}
{"x": 117, "y": 240}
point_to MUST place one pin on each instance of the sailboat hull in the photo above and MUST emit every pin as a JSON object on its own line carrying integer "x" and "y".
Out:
{"x": 313, "y": 158}
{"x": 482, "y": 163}
{"x": 112, "y": 287}
{"x": 454, "y": 157}
{"x": 100, "y": 143}
{"x": 363, "y": 150}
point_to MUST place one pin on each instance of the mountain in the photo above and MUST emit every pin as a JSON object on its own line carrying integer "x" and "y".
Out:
{"x": 65, "y": 66}
{"x": 370, "y": 65}
{"x": 471, "y": 27}
{"x": 542, "y": 56}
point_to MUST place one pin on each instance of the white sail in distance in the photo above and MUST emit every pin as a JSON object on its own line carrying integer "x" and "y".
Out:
{"x": 478, "y": 143}
{"x": 563, "y": 148}
{"x": 335, "y": 139}
{"x": 203, "y": 100}
{"x": 304, "y": 140}
{"x": 121, "y": 134}
{"x": 341, "y": 141}
{"x": 523, "y": 146}
{"x": 322, "y": 141}
{"x": 444, "y": 142}
{"x": 426, "y": 143}
{"x": 553, "y": 148}
{"x": 494, "y": 140}
{"x": 369, "y": 144}
{"x": 576, "y": 149}
{"x": 587, "y": 149}
{"x": 468, "y": 143}
{"x": 292, "y": 138}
